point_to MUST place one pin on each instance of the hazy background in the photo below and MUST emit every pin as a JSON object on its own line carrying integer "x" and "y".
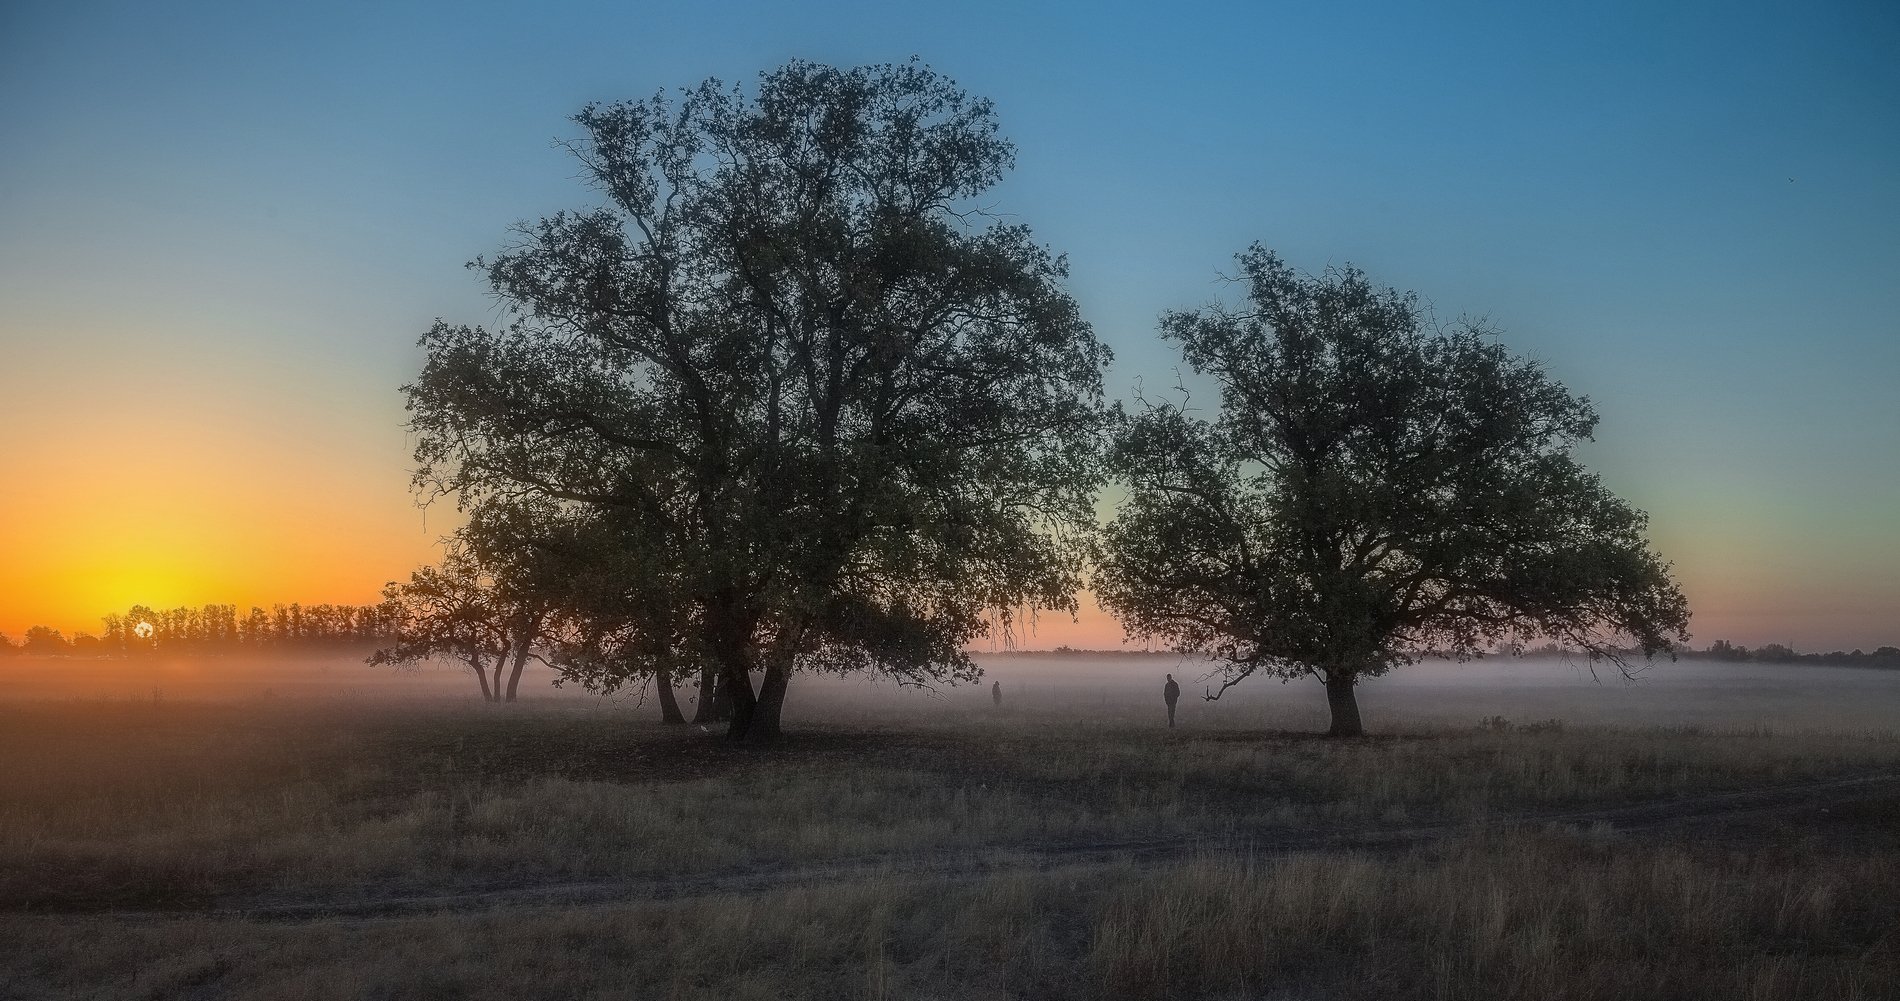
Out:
{"x": 223, "y": 226}
{"x": 1075, "y": 688}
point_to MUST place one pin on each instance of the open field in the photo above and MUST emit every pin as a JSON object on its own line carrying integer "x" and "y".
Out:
{"x": 1084, "y": 689}
{"x": 392, "y": 839}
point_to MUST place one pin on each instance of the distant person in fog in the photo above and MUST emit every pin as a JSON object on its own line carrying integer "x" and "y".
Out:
{"x": 996, "y": 693}
{"x": 1172, "y": 693}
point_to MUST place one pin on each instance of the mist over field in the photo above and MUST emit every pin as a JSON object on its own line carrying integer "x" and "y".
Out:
{"x": 259, "y": 825}
{"x": 1684, "y": 693}
{"x": 1118, "y": 689}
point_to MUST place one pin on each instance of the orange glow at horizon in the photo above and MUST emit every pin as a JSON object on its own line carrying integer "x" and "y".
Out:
{"x": 179, "y": 507}
{"x": 140, "y": 490}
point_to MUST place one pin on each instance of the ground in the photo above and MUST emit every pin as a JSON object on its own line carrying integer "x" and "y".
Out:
{"x": 275, "y": 848}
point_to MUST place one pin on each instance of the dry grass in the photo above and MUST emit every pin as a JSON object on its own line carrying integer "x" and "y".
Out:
{"x": 1583, "y": 916}
{"x": 128, "y": 805}
{"x": 1517, "y": 917}
{"x": 181, "y": 806}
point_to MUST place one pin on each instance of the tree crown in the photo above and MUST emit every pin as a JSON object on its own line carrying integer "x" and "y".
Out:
{"x": 850, "y": 413}
{"x": 1373, "y": 487}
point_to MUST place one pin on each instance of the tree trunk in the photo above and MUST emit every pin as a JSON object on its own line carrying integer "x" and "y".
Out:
{"x": 1344, "y": 704}
{"x": 736, "y": 688}
{"x": 715, "y": 706}
{"x": 481, "y": 675}
{"x": 728, "y": 637}
{"x": 765, "y": 715}
{"x": 514, "y": 675}
{"x": 500, "y": 662}
{"x": 669, "y": 706}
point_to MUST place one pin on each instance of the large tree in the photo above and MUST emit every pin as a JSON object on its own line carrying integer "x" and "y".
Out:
{"x": 1372, "y": 489}
{"x": 792, "y": 353}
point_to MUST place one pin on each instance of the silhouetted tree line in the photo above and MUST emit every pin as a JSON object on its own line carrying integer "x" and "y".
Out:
{"x": 1777, "y": 653}
{"x": 1769, "y": 653}
{"x": 1065, "y": 650}
{"x": 210, "y": 629}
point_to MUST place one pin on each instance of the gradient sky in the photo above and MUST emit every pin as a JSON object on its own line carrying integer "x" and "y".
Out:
{"x": 223, "y": 226}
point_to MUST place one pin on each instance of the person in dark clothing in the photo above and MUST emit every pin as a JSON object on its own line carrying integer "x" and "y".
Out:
{"x": 1172, "y": 693}
{"x": 996, "y": 693}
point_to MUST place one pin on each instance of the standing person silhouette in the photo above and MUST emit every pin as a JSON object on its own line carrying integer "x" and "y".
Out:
{"x": 996, "y": 693}
{"x": 1172, "y": 693}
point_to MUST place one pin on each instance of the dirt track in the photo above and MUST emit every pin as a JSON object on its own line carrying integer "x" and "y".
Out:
{"x": 1725, "y": 810}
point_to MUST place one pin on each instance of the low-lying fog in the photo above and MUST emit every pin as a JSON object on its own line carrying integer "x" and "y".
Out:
{"x": 1120, "y": 688}
{"x": 1682, "y": 693}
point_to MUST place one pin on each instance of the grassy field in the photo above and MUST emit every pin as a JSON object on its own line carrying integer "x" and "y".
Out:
{"x": 136, "y": 835}
{"x": 1522, "y": 916}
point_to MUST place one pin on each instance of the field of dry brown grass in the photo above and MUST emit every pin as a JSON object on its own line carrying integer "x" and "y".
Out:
{"x": 276, "y": 848}
{"x": 1529, "y": 915}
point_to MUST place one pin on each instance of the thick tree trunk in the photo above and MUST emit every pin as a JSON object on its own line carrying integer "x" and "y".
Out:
{"x": 702, "y": 703}
{"x": 669, "y": 706}
{"x": 514, "y": 674}
{"x": 764, "y": 728}
{"x": 1340, "y": 698}
{"x": 755, "y": 714}
{"x": 481, "y": 675}
{"x": 736, "y": 687}
{"x": 715, "y": 706}
{"x": 728, "y": 638}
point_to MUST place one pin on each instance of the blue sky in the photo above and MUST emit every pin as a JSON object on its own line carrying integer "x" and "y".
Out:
{"x": 222, "y": 227}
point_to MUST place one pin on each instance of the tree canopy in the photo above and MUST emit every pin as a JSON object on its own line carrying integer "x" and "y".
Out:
{"x": 845, "y": 417}
{"x": 1372, "y": 488}
{"x": 463, "y": 611}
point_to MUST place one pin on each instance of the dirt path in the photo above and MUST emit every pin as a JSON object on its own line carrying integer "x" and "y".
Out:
{"x": 1689, "y": 813}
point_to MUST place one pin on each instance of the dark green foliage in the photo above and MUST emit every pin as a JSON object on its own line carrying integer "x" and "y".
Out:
{"x": 831, "y": 415}
{"x": 1371, "y": 489}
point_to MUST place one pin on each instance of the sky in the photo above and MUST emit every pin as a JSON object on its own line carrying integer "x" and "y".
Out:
{"x": 223, "y": 227}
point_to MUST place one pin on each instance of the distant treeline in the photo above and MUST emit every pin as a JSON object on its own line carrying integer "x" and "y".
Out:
{"x": 1776, "y": 653}
{"x": 217, "y": 629}
{"x": 1771, "y": 653}
{"x": 220, "y": 629}
{"x": 1069, "y": 651}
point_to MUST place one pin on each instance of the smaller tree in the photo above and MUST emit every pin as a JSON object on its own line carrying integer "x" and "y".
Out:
{"x": 6, "y": 646}
{"x": 254, "y": 631}
{"x": 1372, "y": 490}
{"x": 456, "y": 611}
{"x": 581, "y": 589}
{"x": 45, "y": 642}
